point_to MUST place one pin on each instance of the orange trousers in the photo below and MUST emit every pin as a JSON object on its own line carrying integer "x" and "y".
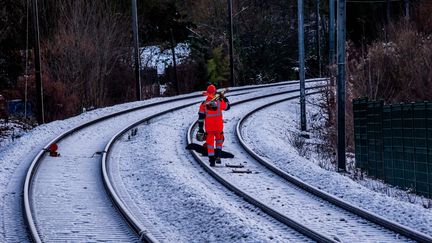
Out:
{"x": 213, "y": 137}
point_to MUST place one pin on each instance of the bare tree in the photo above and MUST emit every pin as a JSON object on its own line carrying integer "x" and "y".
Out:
{"x": 88, "y": 44}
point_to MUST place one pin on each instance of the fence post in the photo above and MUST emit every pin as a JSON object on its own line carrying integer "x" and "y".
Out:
{"x": 375, "y": 138}
{"x": 409, "y": 166}
{"x": 429, "y": 145}
{"x": 420, "y": 148}
{"x": 360, "y": 132}
{"x": 387, "y": 145}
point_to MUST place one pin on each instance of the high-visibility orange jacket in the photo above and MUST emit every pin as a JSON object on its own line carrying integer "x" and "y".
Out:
{"x": 212, "y": 114}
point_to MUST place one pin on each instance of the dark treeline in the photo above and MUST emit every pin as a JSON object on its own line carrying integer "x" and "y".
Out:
{"x": 86, "y": 46}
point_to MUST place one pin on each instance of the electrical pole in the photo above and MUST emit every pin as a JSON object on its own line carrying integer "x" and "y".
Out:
{"x": 39, "y": 89}
{"x": 341, "y": 36}
{"x": 176, "y": 84}
{"x": 318, "y": 36}
{"x": 301, "y": 65}
{"x": 332, "y": 39}
{"x": 407, "y": 14}
{"x": 388, "y": 11}
{"x": 231, "y": 42}
{"x": 136, "y": 49}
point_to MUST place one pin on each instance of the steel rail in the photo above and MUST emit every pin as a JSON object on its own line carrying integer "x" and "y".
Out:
{"x": 314, "y": 235}
{"x": 137, "y": 226}
{"x": 108, "y": 148}
{"x": 28, "y": 215}
{"x": 372, "y": 217}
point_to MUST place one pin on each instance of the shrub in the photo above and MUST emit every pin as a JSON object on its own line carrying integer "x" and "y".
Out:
{"x": 394, "y": 71}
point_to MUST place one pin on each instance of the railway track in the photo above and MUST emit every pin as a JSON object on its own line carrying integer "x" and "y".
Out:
{"x": 293, "y": 205}
{"x": 372, "y": 217}
{"x": 64, "y": 197}
{"x": 108, "y": 163}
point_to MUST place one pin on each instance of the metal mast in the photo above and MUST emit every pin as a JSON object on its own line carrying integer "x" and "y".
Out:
{"x": 136, "y": 50}
{"x": 231, "y": 42}
{"x": 301, "y": 65}
{"x": 39, "y": 89}
{"x": 341, "y": 35}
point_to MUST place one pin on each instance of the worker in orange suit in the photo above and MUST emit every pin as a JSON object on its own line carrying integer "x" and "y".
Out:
{"x": 210, "y": 116}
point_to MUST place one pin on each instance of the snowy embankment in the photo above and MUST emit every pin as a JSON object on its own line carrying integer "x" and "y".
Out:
{"x": 270, "y": 132}
{"x": 16, "y": 156}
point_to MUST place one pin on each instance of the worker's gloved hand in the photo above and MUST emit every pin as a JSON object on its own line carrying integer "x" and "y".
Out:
{"x": 227, "y": 103}
{"x": 200, "y": 136}
{"x": 221, "y": 95}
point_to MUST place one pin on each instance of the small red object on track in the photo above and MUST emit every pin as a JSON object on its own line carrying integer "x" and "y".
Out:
{"x": 53, "y": 150}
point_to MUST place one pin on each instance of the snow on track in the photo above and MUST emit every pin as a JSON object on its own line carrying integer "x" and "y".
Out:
{"x": 177, "y": 195}
{"x": 288, "y": 199}
{"x": 69, "y": 200}
{"x": 15, "y": 158}
{"x": 267, "y": 133}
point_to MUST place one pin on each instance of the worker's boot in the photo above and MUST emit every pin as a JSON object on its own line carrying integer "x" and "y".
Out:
{"x": 212, "y": 161}
{"x": 218, "y": 153}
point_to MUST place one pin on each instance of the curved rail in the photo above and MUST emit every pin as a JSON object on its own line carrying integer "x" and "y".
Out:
{"x": 272, "y": 212}
{"x": 108, "y": 148}
{"x": 118, "y": 202}
{"x": 35, "y": 163}
{"x": 138, "y": 227}
{"x": 396, "y": 227}
{"x": 28, "y": 215}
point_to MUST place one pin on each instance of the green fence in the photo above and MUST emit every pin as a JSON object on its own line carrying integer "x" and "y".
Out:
{"x": 394, "y": 143}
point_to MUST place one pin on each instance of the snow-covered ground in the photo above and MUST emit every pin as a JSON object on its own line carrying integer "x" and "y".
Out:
{"x": 180, "y": 197}
{"x": 155, "y": 163}
{"x": 270, "y": 132}
{"x": 15, "y": 158}
{"x": 161, "y": 177}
